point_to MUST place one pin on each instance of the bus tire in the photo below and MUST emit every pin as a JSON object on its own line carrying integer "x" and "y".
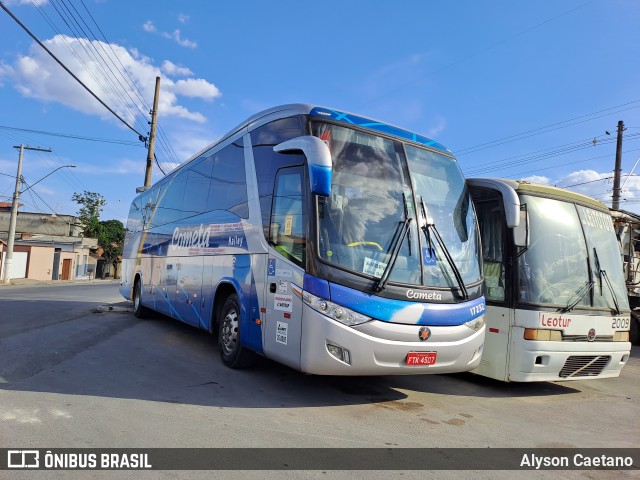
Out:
{"x": 139, "y": 310}
{"x": 233, "y": 354}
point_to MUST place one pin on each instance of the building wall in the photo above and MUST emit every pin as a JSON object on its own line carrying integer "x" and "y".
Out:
{"x": 40, "y": 223}
{"x": 68, "y": 256}
{"x": 40, "y": 263}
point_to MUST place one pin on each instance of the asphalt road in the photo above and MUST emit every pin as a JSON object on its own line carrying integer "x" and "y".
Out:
{"x": 73, "y": 377}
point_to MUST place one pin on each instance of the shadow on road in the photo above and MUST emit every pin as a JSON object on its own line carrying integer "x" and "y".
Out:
{"x": 118, "y": 356}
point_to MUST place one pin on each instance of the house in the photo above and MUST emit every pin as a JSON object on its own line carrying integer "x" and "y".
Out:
{"x": 47, "y": 247}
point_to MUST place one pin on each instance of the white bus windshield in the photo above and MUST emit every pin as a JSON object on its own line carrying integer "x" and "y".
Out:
{"x": 372, "y": 196}
{"x": 569, "y": 248}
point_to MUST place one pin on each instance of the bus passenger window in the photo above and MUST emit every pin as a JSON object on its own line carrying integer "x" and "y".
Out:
{"x": 287, "y": 229}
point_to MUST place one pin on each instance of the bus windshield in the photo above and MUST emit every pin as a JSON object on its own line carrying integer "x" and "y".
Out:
{"x": 569, "y": 248}
{"x": 372, "y": 205}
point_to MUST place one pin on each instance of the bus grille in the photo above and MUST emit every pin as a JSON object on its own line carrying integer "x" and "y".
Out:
{"x": 584, "y": 338}
{"x": 584, "y": 366}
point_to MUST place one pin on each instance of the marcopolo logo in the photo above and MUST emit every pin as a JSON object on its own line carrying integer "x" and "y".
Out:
{"x": 413, "y": 295}
{"x": 23, "y": 459}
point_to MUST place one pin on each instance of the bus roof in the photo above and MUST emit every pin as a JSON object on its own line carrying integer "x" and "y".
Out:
{"x": 539, "y": 189}
{"x": 326, "y": 113}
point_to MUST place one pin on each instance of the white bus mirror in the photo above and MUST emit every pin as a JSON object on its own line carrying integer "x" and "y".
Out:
{"x": 319, "y": 161}
{"x": 521, "y": 231}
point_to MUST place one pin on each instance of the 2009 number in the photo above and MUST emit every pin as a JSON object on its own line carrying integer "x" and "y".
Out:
{"x": 620, "y": 324}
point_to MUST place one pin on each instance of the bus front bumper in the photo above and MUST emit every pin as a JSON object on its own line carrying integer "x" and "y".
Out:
{"x": 539, "y": 361}
{"x": 381, "y": 348}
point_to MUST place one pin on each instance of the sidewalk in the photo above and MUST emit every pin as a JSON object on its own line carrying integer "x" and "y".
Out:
{"x": 30, "y": 281}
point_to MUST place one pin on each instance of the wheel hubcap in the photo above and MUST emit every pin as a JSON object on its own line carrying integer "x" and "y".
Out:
{"x": 230, "y": 331}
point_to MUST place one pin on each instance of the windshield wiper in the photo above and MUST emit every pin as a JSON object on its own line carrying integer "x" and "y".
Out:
{"x": 430, "y": 225}
{"x": 603, "y": 274}
{"x": 394, "y": 248}
{"x": 581, "y": 292}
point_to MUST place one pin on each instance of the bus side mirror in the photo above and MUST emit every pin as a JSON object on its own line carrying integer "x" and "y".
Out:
{"x": 319, "y": 161}
{"x": 521, "y": 231}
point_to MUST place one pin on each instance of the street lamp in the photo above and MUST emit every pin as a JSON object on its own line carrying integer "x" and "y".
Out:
{"x": 8, "y": 256}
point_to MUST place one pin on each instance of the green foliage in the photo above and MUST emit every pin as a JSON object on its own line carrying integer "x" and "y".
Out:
{"x": 110, "y": 233}
{"x": 111, "y": 238}
{"x": 91, "y": 204}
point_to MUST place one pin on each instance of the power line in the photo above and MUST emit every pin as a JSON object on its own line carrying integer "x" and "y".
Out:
{"x": 543, "y": 154}
{"x": 545, "y": 129}
{"x": 140, "y": 136}
{"x": 68, "y": 135}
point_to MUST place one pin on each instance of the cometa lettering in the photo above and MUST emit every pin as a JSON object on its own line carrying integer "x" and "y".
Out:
{"x": 194, "y": 237}
{"x": 423, "y": 295}
{"x": 559, "y": 322}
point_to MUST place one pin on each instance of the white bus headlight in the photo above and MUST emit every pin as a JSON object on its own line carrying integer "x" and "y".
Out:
{"x": 475, "y": 324}
{"x": 334, "y": 311}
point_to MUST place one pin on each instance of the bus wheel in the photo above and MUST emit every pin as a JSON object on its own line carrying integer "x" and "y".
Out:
{"x": 232, "y": 353}
{"x": 139, "y": 310}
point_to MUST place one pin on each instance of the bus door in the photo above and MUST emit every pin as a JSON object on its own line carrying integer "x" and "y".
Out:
{"x": 188, "y": 289}
{"x": 283, "y": 319}
{"x": 499, "y": 317}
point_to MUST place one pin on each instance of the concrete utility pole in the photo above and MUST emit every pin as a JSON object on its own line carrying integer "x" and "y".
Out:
{"x": 152, "y": 136}
{"x": 617, "y": 172}
{"x": 8, "y": 256}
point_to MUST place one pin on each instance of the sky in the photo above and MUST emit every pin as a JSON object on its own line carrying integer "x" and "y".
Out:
{"x": 515, "y": 89}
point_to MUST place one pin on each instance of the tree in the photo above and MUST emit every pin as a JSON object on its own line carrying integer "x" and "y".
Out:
{"x": 110, "y": 233}
{"x": 91, "y": 204}
{"x": 111, "y": 239}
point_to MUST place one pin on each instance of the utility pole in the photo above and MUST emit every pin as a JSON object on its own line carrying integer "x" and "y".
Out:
{"x": 8, "y": 256}
{"x": 152, "y": 137}
{"x": 617, "y": 172}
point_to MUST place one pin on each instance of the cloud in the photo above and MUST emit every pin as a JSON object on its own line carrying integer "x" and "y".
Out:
{"x": 439, "y": 127}
{"x": 598, "y": 185}
{"x": 537, "y": 179}
{"x": 196, "y": 88}
{"x": 35, "y": 3}
{"x": 183, "y": 42}
{"x": 171, "y": 68}
{"x": 176, "y": 35}
{"x": 149, "y": 27}
{"x": 36, "y": 75}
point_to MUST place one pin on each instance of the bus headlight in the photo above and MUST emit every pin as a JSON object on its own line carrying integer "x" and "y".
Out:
{"x": 542, "y": 335}
{"x": 621, "y": 336}
{"x": 335, "y": 312}
{"x": 475, "y": 324}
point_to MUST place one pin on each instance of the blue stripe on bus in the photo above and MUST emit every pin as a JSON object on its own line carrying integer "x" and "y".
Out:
{"x": 407, "y": 312}
{"x": 316, "y": 286}
{"x": 378, "y": 126}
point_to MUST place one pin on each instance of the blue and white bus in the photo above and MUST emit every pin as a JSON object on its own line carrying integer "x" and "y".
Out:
{"x": 334, "y": 244}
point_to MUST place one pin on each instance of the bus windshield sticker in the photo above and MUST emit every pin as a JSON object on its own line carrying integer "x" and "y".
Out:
{"x": 288, "y": 223}
{"x": 429, "y": 256}
{"x": 373, "y": 267}
{"x": 283, "y": 303}
{"x": 281, "y": 332}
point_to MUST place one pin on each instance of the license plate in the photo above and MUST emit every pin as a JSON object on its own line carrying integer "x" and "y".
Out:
{"x": 421, "y": 358}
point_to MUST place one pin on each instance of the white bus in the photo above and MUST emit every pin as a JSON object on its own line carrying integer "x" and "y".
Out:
{"x": 329, "y": 242}
{"x": 557, "y": 306}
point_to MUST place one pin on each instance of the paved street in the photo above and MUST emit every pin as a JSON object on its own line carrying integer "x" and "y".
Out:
{"x": 73, "y": 377}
